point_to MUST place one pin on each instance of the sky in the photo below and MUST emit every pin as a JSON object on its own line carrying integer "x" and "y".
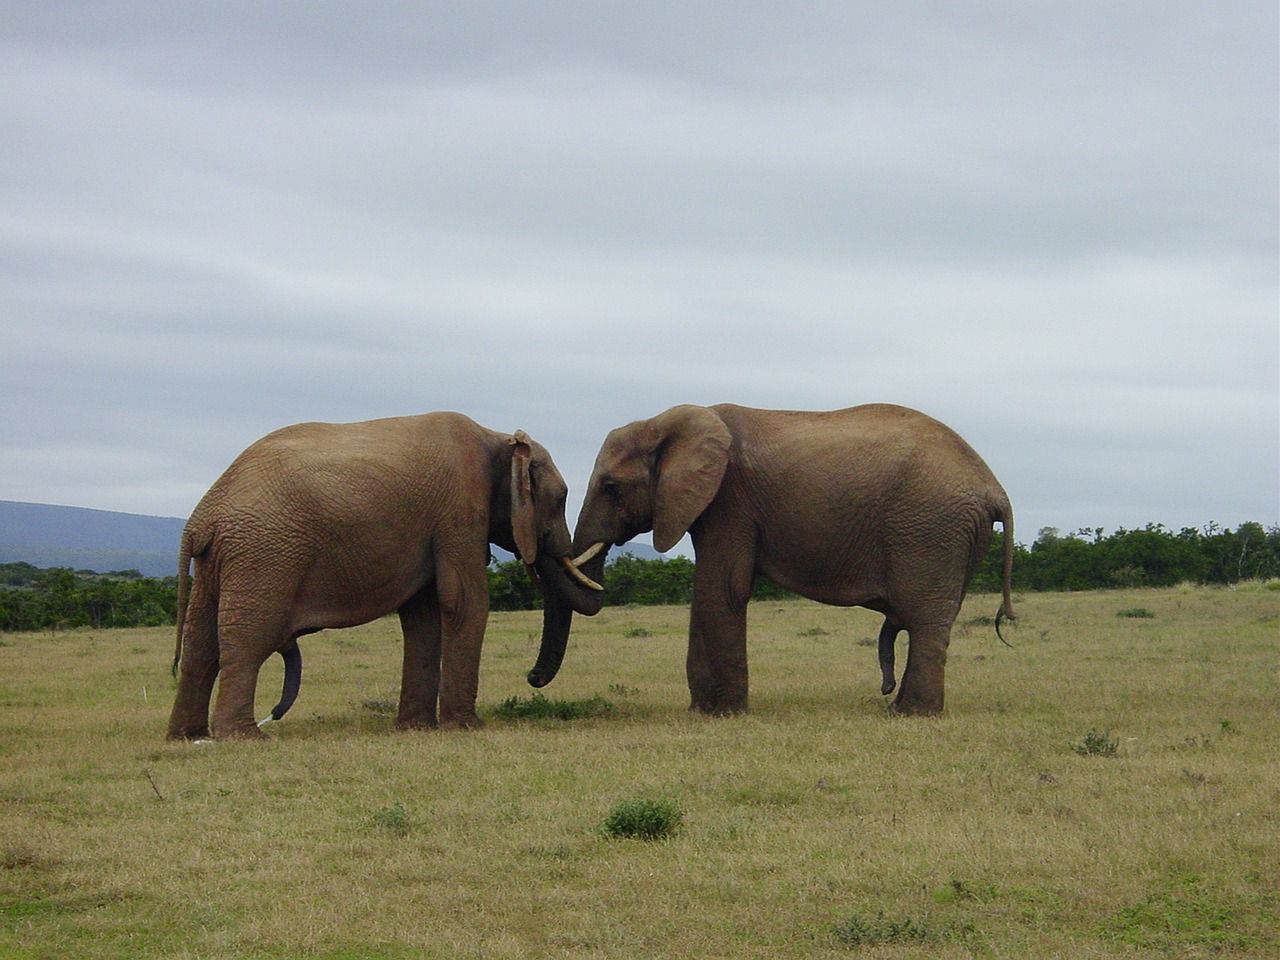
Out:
{"x": 1052, "y": 226}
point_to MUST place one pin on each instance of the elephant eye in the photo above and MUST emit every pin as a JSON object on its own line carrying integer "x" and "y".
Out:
{"x": 610, "y": 489}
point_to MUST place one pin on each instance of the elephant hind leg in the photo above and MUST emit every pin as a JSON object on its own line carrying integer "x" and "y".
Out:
{"x": 923, "y": 681}
{"x": 189, "y": 719}
{"x": 420, "y": 677}
{"x": 246, "y": 641}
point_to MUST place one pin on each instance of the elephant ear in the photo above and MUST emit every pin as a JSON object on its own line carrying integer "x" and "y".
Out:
{"x": 524, "y": 525}
{"x": 692, "y": 457}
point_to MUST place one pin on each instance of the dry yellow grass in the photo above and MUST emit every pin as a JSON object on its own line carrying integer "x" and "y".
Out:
{"x": 817, "y": 826}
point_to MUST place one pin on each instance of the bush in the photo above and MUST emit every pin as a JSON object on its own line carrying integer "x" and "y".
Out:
{"x": 1097, "y": 744}
{"x": 644, "y": 819}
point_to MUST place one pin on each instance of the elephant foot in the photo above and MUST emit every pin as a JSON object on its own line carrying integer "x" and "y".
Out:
{"x": 912, "y": 707}
{"x": 239, "y": 731}
{"x": 188, "y": 733}
{"x": 718, "y": 708}
{"x": 416, "y": 722}
{"x": 471, "y": 722}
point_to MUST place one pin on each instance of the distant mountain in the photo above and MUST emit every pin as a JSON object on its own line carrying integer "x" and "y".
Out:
{"x": 82, "y": 539}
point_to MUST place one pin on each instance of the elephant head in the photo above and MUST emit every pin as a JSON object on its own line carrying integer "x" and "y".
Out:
{"x": 658, "y": 474}
{"x": 539, "y": 535}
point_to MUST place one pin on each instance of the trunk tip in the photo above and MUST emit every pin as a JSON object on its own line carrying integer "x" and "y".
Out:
{"x": 536, "y": 679}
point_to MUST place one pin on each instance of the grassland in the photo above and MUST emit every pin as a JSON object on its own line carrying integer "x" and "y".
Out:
{"x": 816, "y": 826}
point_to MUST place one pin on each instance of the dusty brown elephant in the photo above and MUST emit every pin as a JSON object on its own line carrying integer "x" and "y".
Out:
{"x": 331, "y": 525}
{"x": 876, "y": 506}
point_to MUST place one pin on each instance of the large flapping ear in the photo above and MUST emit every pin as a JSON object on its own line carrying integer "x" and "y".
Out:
{"x": 692, "y": 458}
{"x": 524, "y": 524}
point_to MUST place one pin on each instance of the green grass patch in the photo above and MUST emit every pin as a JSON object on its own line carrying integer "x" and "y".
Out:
{"x": 538, "y": 707}
{"x": 859, "y": 931}
{"x": 1136, "y": 613}
{"x": 1188, "y": 914}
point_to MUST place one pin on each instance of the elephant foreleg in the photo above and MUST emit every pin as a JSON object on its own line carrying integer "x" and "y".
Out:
{"x": 888, "y": 635}
{"x": 717, "y": 661}
{"x": 420, "y": 678}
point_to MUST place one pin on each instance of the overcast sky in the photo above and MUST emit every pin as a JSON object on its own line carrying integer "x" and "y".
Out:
{"x": 1052, "y": 226}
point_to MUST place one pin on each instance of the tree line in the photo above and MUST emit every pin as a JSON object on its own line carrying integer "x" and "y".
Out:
{"x": 36, "y": 599}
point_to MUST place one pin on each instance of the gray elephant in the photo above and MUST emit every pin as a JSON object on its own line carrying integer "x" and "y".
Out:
{"x": 331, "y": 525}
{"x": 876, "y": 506}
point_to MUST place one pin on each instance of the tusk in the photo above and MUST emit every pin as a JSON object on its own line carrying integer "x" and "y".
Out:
{"x": 578, "y": 575}
{"x": 588, "y": 554}
{"x": 265, "y": 720}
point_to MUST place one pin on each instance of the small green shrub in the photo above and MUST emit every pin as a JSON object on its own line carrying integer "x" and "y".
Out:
{"x": 1136, "y": 613}
{"x": 538, "y": 707}
{"x": 644, "y": 819}
{"x": 632, "y": 632}
{"x": 1097, "y": 744}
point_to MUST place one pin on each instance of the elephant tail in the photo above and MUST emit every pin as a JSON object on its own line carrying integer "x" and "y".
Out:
{"x": 1005, "y": 516}
{"x": 184, "y": 593}
{"x": 196, "y": 538}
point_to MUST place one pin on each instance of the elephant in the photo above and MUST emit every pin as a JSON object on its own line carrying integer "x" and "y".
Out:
{"x": 321, "y": 525}
{"x": 877, "y": 506}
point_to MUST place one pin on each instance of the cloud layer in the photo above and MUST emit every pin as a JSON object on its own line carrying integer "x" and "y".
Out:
{"x": 1053, "y": 228}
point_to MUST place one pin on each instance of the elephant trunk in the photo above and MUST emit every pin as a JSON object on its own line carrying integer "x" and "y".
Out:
{"x": 557, "y": 618}
{"x": 562, "y": 595}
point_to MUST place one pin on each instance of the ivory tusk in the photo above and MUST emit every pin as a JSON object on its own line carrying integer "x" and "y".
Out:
{"x": 578, "y": 575}
{"x": 588, "y": 554}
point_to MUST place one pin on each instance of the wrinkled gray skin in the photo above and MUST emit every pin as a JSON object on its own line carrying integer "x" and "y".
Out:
{"x": 331, "y": 525}
{"x": 876, "y": 506}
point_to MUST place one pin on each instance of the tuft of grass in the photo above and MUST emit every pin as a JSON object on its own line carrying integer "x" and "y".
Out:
{"x": 632, "y": 632}
{"x": 814, "y": 632}
{"x": 382, "y": 706}
{"x": 955, "y": 890}
{"x": 394, "y": 819}
{"x": 858, "y": 931}
{"x": 1097, "y": 744}
{"x": 645, "y": 818}
{"x": 538, "y": 707}
{"x": 17, "y": 855}
{"x": 1136, "y": 613}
